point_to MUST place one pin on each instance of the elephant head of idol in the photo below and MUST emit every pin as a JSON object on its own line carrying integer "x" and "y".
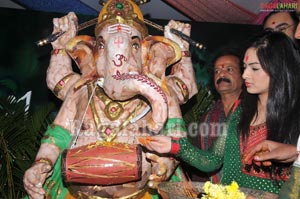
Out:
{"x": 117, "y": 57}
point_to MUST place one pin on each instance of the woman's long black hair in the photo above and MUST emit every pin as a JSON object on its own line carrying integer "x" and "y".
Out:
{"x": 280, "y": 59}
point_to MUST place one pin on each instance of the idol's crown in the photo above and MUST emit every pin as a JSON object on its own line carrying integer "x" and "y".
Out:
{"x": 121, "y": 12}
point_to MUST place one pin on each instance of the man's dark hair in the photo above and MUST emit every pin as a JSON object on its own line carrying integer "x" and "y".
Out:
{"x": 229, "y": 51}
{"x": 224, "y": 51}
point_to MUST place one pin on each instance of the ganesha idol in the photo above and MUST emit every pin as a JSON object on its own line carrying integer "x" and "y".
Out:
{"x": 121, "y": 95}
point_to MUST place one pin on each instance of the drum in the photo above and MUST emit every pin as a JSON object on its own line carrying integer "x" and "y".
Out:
{"x": 102, "y": 163}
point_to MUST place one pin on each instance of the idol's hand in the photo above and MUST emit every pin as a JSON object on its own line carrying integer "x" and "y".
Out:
{"x": 159, "y": 170}
{"x": 182, "y": 27}
{"x": 34, "y": 179}
{"x": 162, "y": 169}
{"x": 269, "y": 150}
{"x": 67, "y": 24}
{"x": 160, "y": 144}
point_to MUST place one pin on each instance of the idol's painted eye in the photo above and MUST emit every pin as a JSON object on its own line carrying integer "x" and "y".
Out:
{"x": 136, "y": 45}
{"x": 101, "y": 45}
{"x": 135, "y": 42}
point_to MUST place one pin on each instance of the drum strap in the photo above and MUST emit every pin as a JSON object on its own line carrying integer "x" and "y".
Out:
{"x": 81, "y": 122}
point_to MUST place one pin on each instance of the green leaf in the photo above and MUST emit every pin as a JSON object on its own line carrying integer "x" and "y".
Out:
{"x": 20, "y": 134}
{"x": 200, "y": 107}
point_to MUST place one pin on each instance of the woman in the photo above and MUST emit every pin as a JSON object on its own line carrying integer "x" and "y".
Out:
{"x": 271, "y": 111}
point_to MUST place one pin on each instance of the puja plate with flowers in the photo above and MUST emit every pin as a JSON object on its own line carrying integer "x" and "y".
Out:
{"x": 185, "y": 190}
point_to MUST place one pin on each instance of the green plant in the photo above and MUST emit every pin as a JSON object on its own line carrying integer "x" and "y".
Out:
{"x": 20, "y": 134}
{"x": 199, "y": 105}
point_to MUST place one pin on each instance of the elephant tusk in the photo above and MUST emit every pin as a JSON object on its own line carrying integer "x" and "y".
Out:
{"x": 100, "y": 82}
{"x": 142, "y": 114}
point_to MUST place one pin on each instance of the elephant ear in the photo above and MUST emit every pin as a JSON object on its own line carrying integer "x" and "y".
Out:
{"x": 82, "y": 49}
{"x": 151, "y": 40}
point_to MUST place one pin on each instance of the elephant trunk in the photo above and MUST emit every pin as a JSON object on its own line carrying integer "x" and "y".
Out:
{"x": 127, "y": 85}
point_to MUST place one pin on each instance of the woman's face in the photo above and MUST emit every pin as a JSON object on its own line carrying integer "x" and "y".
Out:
{"x": 256, "y": 79}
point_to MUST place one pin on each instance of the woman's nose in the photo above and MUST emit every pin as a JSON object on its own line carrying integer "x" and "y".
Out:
{"x": 297, "y": 32}
{"x": 245, "y": 73}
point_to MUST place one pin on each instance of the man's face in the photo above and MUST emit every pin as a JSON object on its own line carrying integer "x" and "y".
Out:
{"x": 227, "y": 75}
{"x": 282, "y": 22}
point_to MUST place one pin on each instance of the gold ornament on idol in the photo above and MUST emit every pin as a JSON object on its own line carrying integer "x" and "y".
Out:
{"x": 113, "y": 110}
{"x": 121, "y": 12}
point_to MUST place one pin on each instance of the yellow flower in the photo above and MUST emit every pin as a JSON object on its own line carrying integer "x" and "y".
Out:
{"x": 233, "y": 187}
{"x": 218, "y": 191}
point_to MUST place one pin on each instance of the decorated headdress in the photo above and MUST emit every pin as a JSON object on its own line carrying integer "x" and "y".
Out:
{"x": 122, "y": 12}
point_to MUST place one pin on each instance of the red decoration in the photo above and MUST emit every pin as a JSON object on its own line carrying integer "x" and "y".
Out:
{"x": 102, "y": 163}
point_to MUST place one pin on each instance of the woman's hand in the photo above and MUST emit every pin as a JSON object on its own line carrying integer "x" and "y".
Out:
{"x": 160, "y": 144}
{"x": 269, "y": 150}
